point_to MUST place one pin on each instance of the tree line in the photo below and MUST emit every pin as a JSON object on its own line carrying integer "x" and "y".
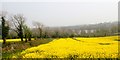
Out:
{"x": 15, "y": 27}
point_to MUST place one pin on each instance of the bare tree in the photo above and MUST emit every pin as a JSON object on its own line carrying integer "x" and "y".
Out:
{"x": 18, "y": 22}
{"x": 46, "y": 32}
{"x": 39, "y": 26}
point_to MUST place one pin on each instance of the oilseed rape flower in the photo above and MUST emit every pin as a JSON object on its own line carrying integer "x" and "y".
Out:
{"x": 102, "y": 47}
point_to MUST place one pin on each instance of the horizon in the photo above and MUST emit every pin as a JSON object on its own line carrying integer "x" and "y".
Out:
{"x": 55, "y": 14}
{"x": 78, "y": 25}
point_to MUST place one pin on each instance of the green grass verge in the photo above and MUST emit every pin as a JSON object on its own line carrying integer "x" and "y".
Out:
{"x": 11, "y": 49}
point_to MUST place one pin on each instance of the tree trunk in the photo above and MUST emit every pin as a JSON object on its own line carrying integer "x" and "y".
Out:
{"x": 40, "y": 33}
{"x": 21, "y": 33}
{"x": 29, "y": 38}
{"x": 25, "y": 39}
{"x": 21, "y": 38}
{"x": 4, "y": 40}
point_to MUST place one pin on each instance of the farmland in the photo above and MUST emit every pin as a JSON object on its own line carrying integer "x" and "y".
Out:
{"x": 97, "y": 47}
{"x": 58, "y": 30}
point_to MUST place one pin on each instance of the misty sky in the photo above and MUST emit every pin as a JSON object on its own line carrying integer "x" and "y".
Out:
{"x": 65, "y": 13}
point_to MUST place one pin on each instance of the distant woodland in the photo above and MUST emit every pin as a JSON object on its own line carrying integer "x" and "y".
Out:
{"x": 15, "y": 27}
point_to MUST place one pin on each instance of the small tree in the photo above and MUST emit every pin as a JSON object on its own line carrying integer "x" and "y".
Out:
{"x": 27, "y": 33}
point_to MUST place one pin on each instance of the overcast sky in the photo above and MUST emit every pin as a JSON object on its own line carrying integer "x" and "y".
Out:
{"x": 64, "y": 12}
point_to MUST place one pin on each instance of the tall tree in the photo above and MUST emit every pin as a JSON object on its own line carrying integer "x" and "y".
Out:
{"x": 18, "y": 22}
{"x": 5, "y": 28}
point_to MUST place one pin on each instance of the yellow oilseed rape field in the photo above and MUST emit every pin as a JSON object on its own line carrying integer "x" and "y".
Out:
{"x": 97, "y": 47}
{"x": 13, "y": 40}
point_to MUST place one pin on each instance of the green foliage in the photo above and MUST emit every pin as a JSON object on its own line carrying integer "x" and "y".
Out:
{"x": 27, "y": 33}
{"x": 5, "y": 29}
